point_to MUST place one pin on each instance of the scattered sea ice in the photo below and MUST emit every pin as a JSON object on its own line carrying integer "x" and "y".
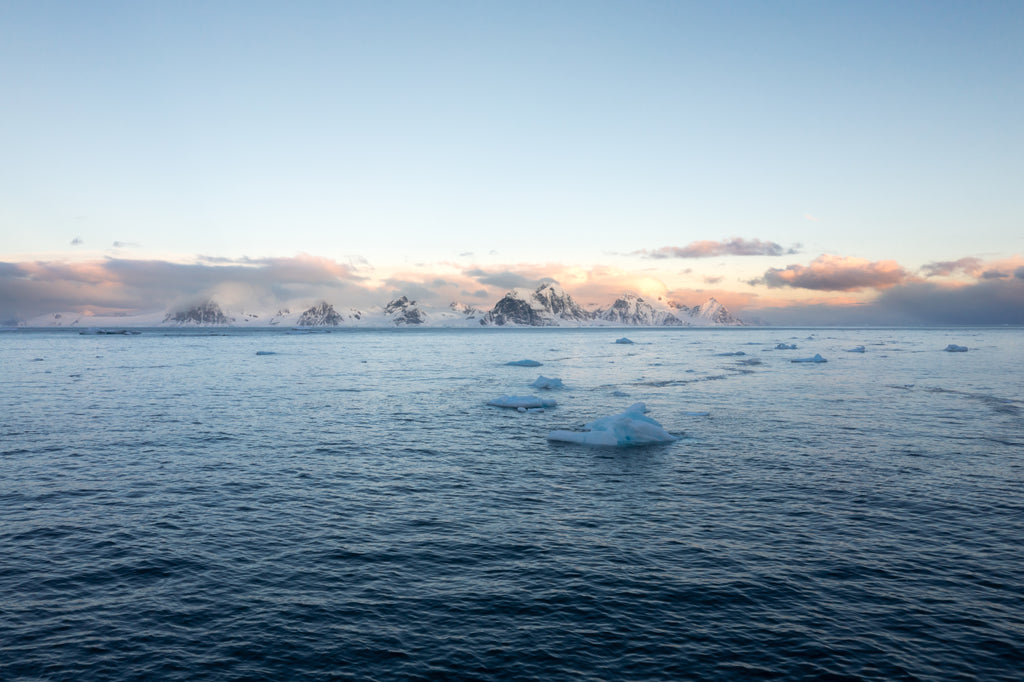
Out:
{"x": 730, "y": 355}
{"x": 786, "y": 346}
{"x": 623, "y": 340}
{"x": 855, "y": 349}
{"x": 631, "y": 427}
{"x": 521, "y": 402}
{"x": 817, "y": 358}
{"x": 265, "y": 352}
{"x": 953, "y": 348}
{"x": 524, "y": 363}
{"x": 547, "y": 382}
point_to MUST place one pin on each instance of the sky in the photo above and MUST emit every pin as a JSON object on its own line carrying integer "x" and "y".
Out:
{"x": 802, "y": 162}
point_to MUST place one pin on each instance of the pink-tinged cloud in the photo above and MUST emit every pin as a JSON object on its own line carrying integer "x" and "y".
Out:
{"x": 968, "y": 266}
{"x": 836, "y": 273}
{"x": 729, "y": 247}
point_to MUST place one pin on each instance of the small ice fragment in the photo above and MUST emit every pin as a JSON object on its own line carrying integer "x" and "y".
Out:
{"x": 620, "y": 394}
{"x": 631, "y": 427}
{"x": 524, "y": 363}
{"x": 265, "y": 352}
{"x": 817, "y": 358}
{"x": 697, "y": 414}
{"x": 730, "y": 355}
{"x": 547, "y": 382}
{"x": 855, "y": 349}
{"x": 523, "y": 402}
{"x": 786, "y": 346}
{"x": 623, "y": 340}
{"x": 520, "y": 409}
{"x": 953, "y": 348}
{"x": 535, "y": 409}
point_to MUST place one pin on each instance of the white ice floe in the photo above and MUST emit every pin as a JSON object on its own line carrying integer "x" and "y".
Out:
{"x": 524, "y": 363}
{"x": 786, "y": 346}
{"x": 733, "y": 354}
{"x": 631, "y": 427}
{"x": 524, "y": 402}
{"x": 855, "y": 349}
{"x": 953, "y": 348}
{"x": 817, "y": 358}
{"x": 623, "y": 340}
{"x": 547, "y": 382}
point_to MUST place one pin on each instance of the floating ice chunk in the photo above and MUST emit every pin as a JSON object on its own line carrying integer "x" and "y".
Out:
{"x": 697, "y": 414}
{"x": 521, "y": 402}
{"x": 547, "y": 382}
{"x": 524, "y": 363}
{"x": 855, "y": 349}
{"x": 620, "y": 394}
{"x": 265, "y": 352}
{"x": 623, "y": 340}
{"x": 817, "y": 358}
{"x": 786, "y": 346}
{"x": 953, "y": 348}
{"x": 730, "y": 355}
{"x": 631, "y": 427}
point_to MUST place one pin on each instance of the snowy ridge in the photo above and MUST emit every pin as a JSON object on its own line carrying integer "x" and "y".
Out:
{"x": 546, "y": 306}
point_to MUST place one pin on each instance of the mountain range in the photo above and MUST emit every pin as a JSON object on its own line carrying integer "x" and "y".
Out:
{"x": 546, "y": 306}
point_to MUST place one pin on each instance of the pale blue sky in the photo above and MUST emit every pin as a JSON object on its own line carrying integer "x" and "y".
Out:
{"x": 568, "y": 132}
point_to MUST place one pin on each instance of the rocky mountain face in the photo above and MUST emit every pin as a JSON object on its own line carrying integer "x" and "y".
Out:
{"x": 321, "y": 315}
{"x": 402, "y": 311}
{"x": 546, "y": 306}
{"x": 202, "y": 314}
{"x": 711, "y": 312}
{"x": 465, "y": 310}
{"x": 630, "y": 309}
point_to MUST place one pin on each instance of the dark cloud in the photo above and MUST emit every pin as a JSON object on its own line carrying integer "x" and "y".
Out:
{"x": 712, "y": 280}
{"x": 968, "y": 266}
{"x": 987, "y": 302}
{"x": 730, "y": 247}
{"x": 994, "y": 274}
{"x": 77, "y": 241}
{"x": 835, "y": 273}
{"x": 505, "y": 279}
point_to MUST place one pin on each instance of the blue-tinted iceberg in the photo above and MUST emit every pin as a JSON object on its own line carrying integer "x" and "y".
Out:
{"x": 524, "y": 363}
{"x": 631, "y": 427}
{"x": 817, "y": 358}
{"x": 547, "y": 382}
{"x": 953, "y": 348}
{"x": 525, "y": 402}
{"x": 786, "y": 346}
{"x": 623, "y": 340}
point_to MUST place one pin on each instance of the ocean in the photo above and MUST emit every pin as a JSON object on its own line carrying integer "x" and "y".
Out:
{"x": 218, "y": 504}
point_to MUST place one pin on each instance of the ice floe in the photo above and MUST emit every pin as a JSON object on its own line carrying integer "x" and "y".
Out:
{"x": 524, "y": 363}
{"x": 623, "y": 340}
{"x": 630, "y": 427}
{"x": 733, "y": 354}
{"x": 547, "y": 382}
{"x": 817, "y": 358}
{"x": 855, "y": 349}
{"x": 953, "y": 348}
{"x": 523, "y": 402}
{"x": 786, "y": 346}
{"x": 265, "y": 352}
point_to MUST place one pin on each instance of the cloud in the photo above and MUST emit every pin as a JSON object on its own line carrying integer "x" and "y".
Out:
{"x": 836, "y": 273}
{"x": 994, "y": 274}
{"x": 131, "y": 286}
{"x": 709, "y": 249}
{"x": 126, "y": 245}
{"x": 77, "y": 241}
{"x": 712, "y": 280}
{"x": 968, "y": 266}
{"x": 505, "y": 279}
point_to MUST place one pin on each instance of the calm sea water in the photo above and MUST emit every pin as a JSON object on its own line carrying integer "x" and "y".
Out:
{"x": 174, "y": 506}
